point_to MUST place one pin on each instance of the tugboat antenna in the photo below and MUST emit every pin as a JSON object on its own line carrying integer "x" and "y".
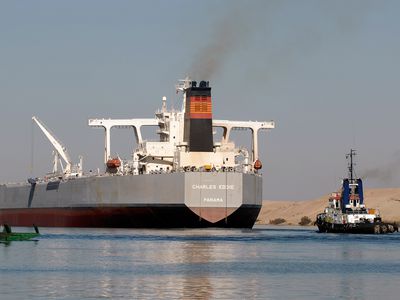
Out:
{"x": 351, "y": 164}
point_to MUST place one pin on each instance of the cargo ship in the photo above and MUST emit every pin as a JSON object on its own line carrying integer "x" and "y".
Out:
{"x": 187, "y": 178}
{"x": 346, "y": 211}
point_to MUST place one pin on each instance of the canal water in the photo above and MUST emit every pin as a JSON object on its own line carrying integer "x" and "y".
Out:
{"x": 264, "y": 263}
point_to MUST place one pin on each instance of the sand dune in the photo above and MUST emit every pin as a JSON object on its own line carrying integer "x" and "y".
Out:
{"x": 386, "y": 200}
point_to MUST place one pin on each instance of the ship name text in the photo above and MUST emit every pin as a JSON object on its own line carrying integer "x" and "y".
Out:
{"x": 213, "y": 200}
{"x": 213, "y": 187}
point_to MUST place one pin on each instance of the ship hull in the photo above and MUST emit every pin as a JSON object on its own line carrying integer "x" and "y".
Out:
{"x": 125, "y": 217}
{"x": 358, "y": 228}
{"x": 180, "y": 200}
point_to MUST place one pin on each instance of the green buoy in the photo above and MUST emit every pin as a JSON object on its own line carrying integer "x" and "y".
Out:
{"x": 7, "y": 235}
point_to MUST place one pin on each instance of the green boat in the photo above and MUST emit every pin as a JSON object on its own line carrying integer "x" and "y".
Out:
{"x": 7, "y": 235}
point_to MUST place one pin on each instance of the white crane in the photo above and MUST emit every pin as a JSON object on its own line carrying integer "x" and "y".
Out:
{"x": 60, "y": 150}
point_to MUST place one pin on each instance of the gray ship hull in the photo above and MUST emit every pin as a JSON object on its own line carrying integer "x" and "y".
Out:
{"x": 174, "y": 200}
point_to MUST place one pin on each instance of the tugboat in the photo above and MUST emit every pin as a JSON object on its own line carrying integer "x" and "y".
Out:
{"x": 346, "y": 211}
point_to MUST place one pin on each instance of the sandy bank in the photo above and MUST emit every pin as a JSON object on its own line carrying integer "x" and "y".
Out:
{"x": 386, "y": 200}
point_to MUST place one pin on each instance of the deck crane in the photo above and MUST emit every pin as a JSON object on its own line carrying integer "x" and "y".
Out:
{"x": 60, "y": 150}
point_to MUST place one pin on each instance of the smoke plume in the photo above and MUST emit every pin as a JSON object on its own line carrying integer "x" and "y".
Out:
{"x": 228, "y": 34}
{"x": 242, "y": 21}
{"x": 385, "y": 173}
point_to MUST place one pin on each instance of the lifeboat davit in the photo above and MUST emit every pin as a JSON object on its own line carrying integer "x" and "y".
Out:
{"x": 257, "y": 164}
{"x": 113, "y": 163}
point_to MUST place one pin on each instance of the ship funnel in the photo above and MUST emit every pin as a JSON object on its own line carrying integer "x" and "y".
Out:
{"x": 360, "y": 190}
{"x": 198, "y": 117}
{"x": 345, "y": 194}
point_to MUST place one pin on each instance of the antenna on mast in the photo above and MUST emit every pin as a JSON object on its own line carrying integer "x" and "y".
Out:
{"x": 351, "y": 164}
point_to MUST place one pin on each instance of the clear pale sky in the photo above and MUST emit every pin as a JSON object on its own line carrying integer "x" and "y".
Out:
{"x": 326, "y": 71}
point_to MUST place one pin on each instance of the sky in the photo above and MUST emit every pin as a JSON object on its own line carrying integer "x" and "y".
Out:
{"x": 327, "y": 72}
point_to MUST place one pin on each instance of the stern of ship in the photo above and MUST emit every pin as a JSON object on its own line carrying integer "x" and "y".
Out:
{"x": 224, "y": 199}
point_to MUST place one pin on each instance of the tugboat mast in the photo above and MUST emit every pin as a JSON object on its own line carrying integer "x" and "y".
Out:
{"x": 351, "y": 164}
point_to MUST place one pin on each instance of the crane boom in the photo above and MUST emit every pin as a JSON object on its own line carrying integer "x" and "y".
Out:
{"x": 61, "y": 150}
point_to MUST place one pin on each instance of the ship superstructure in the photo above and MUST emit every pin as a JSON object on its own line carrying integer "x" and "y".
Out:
{"x": 186, "y": 138}
{"x": 185, "y": 179}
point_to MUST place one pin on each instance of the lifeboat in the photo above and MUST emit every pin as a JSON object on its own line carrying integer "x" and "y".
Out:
{"x": 257, "y": 164}
{"x": 113, "y": 163}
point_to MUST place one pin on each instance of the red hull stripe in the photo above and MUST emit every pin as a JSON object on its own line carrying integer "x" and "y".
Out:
{"x": 127, "y": 217}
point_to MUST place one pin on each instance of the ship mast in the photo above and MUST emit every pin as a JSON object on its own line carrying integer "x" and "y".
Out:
{"x": 351, "y": 164}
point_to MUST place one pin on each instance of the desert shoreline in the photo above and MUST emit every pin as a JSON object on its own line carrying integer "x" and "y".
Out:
{"x": 386, "y": 200}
